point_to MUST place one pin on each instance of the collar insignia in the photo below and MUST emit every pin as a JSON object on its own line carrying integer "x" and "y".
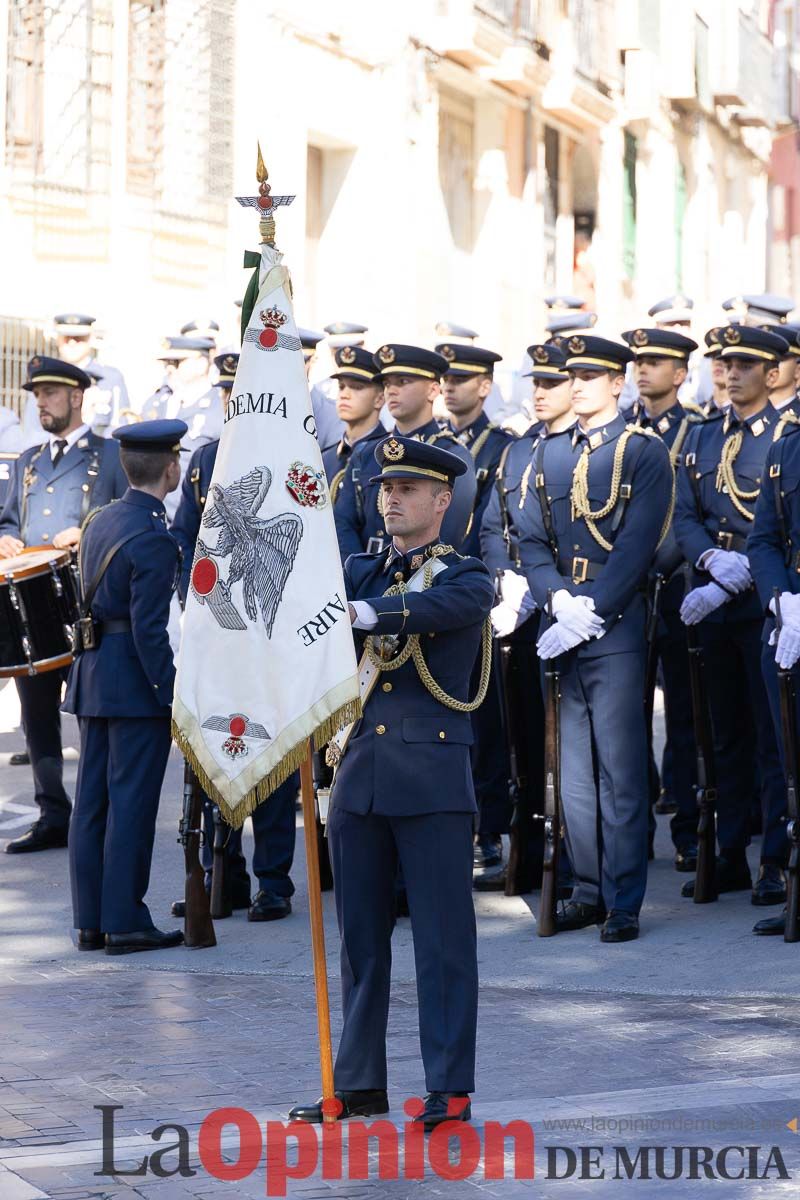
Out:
{"x": 595, "y": 440}
{"x": 416, "y": 561}
{"x": 83, "y": 443}
{"x": 758, "y": 427}
{"x": 663, "y": 425}
{"x": 393, "y": 451}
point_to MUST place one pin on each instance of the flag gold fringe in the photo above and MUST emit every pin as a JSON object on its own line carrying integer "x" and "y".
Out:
{"x": 351, "y": 711}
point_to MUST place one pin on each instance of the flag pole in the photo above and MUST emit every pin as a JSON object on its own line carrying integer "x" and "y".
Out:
{"x": 317, "y": 927}
{"x": 266, "y": 205}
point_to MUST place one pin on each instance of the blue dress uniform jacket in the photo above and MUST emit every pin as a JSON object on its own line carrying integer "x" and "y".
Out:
{"x": 486, "y": 443}
{"x": 409, "y": 753}
{"x": 605, "y": 766}
{"x": 336, "y": 456}
{"x": 131, "y": 673}
{"x": 773, "y": 546}
{"x": 43, "y": 499}
{"x": 358, "y": 517}
{"x": 620, "y": 572}
{"x": 706, "y": 518}
{"x": 121, "y": 693}
{"x": 403, "y": 797}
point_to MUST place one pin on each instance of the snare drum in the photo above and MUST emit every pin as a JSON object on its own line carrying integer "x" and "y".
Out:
{"x": 38, "y": 607}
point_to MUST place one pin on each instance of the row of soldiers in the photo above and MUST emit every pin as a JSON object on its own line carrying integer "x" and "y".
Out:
{"x": 544, "y": 511}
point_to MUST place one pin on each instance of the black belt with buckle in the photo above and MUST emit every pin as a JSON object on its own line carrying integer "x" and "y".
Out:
{"x": 580, "y": 570}
{"x": 117, "y": 626}
{"x": 731, "y": 541}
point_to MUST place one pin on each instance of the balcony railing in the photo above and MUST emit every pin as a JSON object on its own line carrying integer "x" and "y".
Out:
{"x": 593, "y": 36}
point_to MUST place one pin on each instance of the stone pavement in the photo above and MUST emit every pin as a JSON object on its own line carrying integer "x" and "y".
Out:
{"x": 687, "y": 1037}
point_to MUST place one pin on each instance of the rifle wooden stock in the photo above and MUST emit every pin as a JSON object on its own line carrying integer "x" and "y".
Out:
{"x": 705, "y": 884}
{"x": 198, "y": 928}
{"x": 791, "y": 766}
{"x": 546, "y": 925}
{"x": 221, "y": 905}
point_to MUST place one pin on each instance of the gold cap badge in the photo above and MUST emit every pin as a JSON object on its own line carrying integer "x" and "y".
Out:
{"x": 732, "y": 336}
{"x": 393, "y": 451}
{"x": 448, "y": 352}
{"x": 347, "y": 355}
{"x": 639, "y": 338}
{"x": 540, "y": 354}
{"x": 386, "y": 354}
{"x": 576, "y": 345}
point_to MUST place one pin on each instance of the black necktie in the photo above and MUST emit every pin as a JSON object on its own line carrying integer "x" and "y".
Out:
{"x": 61, "y": 446}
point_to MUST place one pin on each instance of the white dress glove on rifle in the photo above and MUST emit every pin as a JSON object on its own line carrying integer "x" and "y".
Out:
{"x": 515, "y": 606}
{"x": 702, "y": 601}
{"x": 790, "y": 608}
{"x": 576, "y": 615}
{"x": 729, "y": 568}
{"x": 788, "y": 650}
{"x": 557, "y": 640}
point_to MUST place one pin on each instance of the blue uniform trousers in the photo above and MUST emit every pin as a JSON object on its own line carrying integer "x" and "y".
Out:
{"x": 738, "y": 699}
{"x": 769, "y": 671}
{"x": 678, "y": 763}
{"x": 121, "y": 770}
{"x": 40, "y": 703}
{"x": 274, "y": 829}
{"x": 435, "y": 852}
{"x": 604, "y": 778}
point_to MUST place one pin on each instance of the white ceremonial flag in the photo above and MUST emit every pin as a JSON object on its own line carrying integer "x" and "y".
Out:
{"x": 267, "y": 657}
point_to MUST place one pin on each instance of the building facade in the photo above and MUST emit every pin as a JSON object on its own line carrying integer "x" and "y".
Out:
{"x": 451, "y": 159}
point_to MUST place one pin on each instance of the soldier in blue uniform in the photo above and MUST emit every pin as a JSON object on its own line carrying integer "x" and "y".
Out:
{"x": 718, "y": 400}
{"x": 773, "y": 551}
{"x": 515, "y": 618}
{"x": 660, "y": 368}
{"x": 120, "y": 688}
{"x": 599, "y": 505}
{"x": 410, "y": 378}
{"x": 274, "y": 822}
{"x": 358, "y": 407}
{"x": 403, "y": 791}
{"x": 718, "y": 483}
{"x": 52, "y": 488}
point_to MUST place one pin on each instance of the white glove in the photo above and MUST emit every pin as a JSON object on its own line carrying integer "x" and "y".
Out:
{"x": 788, "y": 650}
{"x": 729, "y": 568}
{"x": 702, "y": 601}
{"x": 557, "y": 640}
{"x": 790, "y": 607}
{"x": 515, "y": 591}
{"x": 576, "y": 614}
{"x": 504, "y": 618}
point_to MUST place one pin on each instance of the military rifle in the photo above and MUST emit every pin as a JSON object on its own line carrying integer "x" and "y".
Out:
{"x": 198, "y": 928}
{"x": 546, "y": 925}
{"x": 705, "y": 884}
{"x": 221, "y": 905}
{"x": 651, "y": 664}
{"x": 791, "y": 767}
{"x": 521, "y": 819}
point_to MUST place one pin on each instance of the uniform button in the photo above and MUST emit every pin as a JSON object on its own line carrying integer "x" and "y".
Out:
{"x": 46, "y": 512}
{"x": 380, "y": 533}
{"x": 51, "y": 490}
{"x": 45, "y": 537}
{"x": 442, "y": 734}
{"x": 431, "y": 635}
{"x": 387, "y": 687}
{"x": 723, "y": 520}
{"x": 576, "y": 547}
{"x": 380, "y": 729}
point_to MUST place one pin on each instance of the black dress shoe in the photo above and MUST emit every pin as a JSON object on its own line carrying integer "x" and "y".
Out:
{"x": 20, "y": 760}
{"x": 620, "y": 927}
{"x": 490, "y": 881}
{"x": 771, "y": 926}
{"x": 686, "y": 859}
{"x": 444, "y": 1106}
{"x": 731, "y": 877}
{"x": 39, "y": 837}
{"x": 269, "y": 906}
{"x": 354, "y": 1104}
{"x": 575, "y": 915}
{"x": 770, "y": 886}
{"x": 487, "y": 851}
{"x": 91, "y": 939}
{"x": 144, "y": 939}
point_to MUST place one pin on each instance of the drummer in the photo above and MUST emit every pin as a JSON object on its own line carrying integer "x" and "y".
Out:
{"x": 52, "y": 488}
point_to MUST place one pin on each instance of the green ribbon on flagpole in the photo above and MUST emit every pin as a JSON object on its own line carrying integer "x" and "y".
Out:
{"x": 251, "y": 259}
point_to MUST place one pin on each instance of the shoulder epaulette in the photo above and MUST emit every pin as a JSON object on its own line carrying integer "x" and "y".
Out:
{"x": 643, "y": 429}
{"x": 789, "y": 422}
{"x": 692, "y": 408}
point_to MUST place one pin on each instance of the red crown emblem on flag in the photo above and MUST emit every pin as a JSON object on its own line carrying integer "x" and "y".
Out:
{"x": 273, "y": 318}
{"x": 306, "y": 486}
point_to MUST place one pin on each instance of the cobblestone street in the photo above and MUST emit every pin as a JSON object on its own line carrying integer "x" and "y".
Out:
{"x": 687, "y": 1037}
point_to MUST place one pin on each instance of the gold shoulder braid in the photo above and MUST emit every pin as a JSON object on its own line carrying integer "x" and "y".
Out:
{"x": 788, "y": 418}
{"x": 413, "y": 650}
{"x": 336, "y": 484}
{"x": 579, "y": 495}
{"x": 523, "y": 485}
{"x": 481, "y": 440}
{"x": 726, "y": 478}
